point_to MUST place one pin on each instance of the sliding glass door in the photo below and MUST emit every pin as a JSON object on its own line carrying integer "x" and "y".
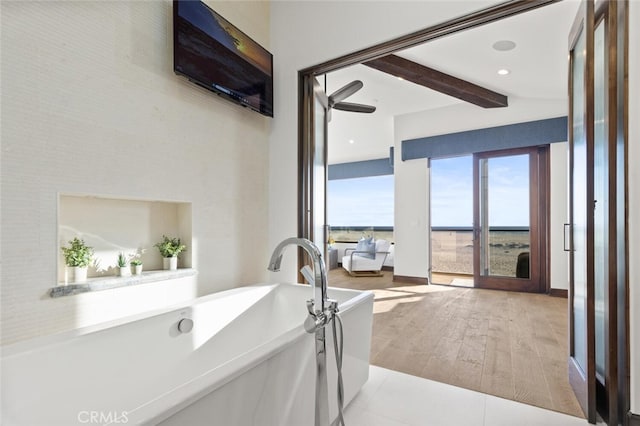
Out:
{"x": 581, "y": 307}
{"x": 509, "y": 231}
{"x": 598, "y": 370}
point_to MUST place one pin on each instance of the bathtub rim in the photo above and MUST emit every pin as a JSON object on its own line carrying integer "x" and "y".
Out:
{"x": 164, "y": 405}
{"x": 40, "y": 342}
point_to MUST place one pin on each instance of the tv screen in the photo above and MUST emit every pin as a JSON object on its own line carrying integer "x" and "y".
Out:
{"x": 214, "y": 54}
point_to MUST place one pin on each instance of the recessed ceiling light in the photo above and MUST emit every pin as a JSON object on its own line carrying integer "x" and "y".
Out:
{"x": 504, "y": 45}
{"x": 503, "y": 71}
{"x": 351, "y": 141}
{"x": 400, "y": 78}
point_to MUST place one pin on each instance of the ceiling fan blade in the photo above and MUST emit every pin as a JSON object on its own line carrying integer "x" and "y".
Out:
{"x": 351, "y": 107}
{"x": 344, "y": 92}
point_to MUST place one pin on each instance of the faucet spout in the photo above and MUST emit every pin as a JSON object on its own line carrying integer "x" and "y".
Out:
{"x": 319, "y": 271}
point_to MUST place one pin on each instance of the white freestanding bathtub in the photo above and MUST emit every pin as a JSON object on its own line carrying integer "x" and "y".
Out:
{"x": 247, "y": 361}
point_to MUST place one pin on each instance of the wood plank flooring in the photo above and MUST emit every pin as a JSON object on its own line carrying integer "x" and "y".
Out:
{"x": 508, "y": 344}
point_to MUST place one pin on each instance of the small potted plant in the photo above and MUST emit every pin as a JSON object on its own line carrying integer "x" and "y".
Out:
{"x": 136, "y": 262}
{"x": 123, "y": 265}
{"x": 169, "y": 249}
{"x": 78, "y": 256}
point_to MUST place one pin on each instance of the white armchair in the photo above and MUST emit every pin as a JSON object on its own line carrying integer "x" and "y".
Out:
{"x": 361, "y": 263}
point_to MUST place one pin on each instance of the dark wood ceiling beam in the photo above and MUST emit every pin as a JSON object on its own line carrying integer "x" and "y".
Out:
{"x": 438, "y": 81}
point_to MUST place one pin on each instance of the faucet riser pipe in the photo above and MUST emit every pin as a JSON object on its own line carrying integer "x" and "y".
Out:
{"x": 322, "y": 388}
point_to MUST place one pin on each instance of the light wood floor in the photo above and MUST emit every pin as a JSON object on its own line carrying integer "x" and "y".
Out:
{"x": 508, "y": 344}
{"x": 462, "y": 280}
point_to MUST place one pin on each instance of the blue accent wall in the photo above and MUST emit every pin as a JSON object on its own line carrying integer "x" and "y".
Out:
{"x": 531, "y": 133}
{"x": 358, "y": 169}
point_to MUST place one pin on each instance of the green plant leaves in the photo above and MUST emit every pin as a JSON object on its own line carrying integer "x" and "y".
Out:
{"x": 170, "y": 247}
{"x": 78, "y": 254}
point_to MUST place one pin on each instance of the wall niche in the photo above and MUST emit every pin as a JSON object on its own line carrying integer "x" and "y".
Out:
{"x": 114, "y": 225}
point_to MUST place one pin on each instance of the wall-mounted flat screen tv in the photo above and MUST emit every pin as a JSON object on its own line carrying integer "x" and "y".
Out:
{"x": 211, "y": 52}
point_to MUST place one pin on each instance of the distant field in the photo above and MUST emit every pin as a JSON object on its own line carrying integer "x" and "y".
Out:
{"x": 452, "y": 251}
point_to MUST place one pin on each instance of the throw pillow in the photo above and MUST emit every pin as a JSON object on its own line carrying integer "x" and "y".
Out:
{"x": 366, "y": 248}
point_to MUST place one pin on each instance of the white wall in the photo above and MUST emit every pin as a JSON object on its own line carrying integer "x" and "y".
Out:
{"x": 634, "y": 201}
{"x": 412, "y": 189}
{"x": 411, "y": 218}
{"x": 90, "y": 105}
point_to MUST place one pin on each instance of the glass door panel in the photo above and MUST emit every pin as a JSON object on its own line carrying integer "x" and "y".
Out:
{"x": 313, "y": 169}
{"x": 320, "y": 236}
{"x": 601, "y": 207}
{"x": 581, "y": 259}
{"x": 579, "y": 201}
{"x": 451, "y": 181}
{"x": 510, "y": 217}
{"x": 505, "y": 237}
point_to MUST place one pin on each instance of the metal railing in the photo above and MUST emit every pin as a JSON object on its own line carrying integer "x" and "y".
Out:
{"x": 351, "y": 234}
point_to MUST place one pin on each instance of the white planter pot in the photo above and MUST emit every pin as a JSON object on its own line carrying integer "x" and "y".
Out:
{"x": 137, "y": 269}
{"x": 124, "y": 271}
{"x": 79, "y": 274}
{"x": 170, "y": 263}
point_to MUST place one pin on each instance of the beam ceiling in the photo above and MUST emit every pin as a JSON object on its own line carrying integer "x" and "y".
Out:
{"x": 438, "y": 81}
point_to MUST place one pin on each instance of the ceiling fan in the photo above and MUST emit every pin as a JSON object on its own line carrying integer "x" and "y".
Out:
{"x": 336, "y": 98}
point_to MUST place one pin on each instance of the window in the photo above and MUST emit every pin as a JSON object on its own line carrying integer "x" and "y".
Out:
{"x": 361, "y": 202}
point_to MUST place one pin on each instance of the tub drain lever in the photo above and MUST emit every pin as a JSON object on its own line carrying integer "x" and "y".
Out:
{"x": 185, "y": 325}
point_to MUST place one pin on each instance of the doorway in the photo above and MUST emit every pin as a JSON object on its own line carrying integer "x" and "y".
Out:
{"x": 469, "y": 21}
{"x": 451, "y": 221}
{"x": 510, "y": 217}
{"x": 491, "y": 220}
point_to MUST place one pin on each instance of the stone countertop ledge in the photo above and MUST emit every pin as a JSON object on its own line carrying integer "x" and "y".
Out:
{"x": 106, "y": 283}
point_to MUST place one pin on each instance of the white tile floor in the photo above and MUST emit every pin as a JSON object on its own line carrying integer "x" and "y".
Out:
{"x": 391, "y": 398}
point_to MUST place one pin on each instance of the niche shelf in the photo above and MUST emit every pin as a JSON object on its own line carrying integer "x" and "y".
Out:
{"x": 107, "y": 283}
{"x": 112, "y": 225}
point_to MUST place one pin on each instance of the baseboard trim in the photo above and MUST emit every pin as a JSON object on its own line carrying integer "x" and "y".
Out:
{"x": 558, "y": 292}
{"x": 634, "y": 419}
{"x": 410, "y": 280}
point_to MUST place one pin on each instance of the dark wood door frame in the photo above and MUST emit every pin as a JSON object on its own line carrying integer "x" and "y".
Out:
{"x": 539, "y": 201}
{"x": 306, "y": 145}
{"x": 612, "y": 397}
{"x": 621, "y": 14}
{"x": 483, "y": 17}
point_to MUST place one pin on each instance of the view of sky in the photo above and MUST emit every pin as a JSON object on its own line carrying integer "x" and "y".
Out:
{"x": 360, "y": 201}
{"x": 369, "y": 201}
{"x": 452, "y": 191}
{"x": 509, "y": 191}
